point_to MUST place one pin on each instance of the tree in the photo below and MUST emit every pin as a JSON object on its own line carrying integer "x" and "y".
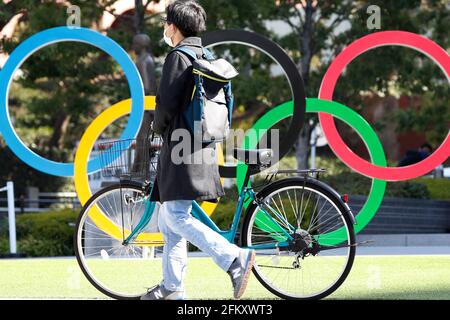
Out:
{"x": 321, "y": 29}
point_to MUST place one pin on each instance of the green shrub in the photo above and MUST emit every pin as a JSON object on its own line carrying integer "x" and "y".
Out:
{"x": 348, "y": 182}
{"x": 356, "y": 184}
{"x": 340, "y": 177}
{"x": 224, "y": 214}
{"x": 439, "y": 188}
{"x": 407, "y": 189}
{"x": 4, "y": 245}
{"x": 43, "y": 234}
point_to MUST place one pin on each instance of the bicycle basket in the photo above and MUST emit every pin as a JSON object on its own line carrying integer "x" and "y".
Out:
{"x": 133, "y": 159}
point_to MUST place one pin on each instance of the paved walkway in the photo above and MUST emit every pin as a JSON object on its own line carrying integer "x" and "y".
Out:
{"x": 403, "y": 251}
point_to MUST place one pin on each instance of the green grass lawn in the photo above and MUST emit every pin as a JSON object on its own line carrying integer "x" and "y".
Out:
{"x": 393, "y": 277}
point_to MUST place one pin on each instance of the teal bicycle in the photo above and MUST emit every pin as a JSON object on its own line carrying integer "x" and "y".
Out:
{"x": 301, "y": 229}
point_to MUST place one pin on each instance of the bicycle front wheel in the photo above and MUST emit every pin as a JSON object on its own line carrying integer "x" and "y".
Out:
{"x": 303, "y": 237}
{"x": 120, "y": 271}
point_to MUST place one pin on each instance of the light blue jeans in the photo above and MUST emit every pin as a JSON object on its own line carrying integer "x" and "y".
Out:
{"x": 178, "y": 226}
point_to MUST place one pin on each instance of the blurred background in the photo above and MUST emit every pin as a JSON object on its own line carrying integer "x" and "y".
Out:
{"x": 61, "y": 88}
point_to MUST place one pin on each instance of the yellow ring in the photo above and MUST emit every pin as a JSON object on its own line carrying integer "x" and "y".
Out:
{"x": 90, "y": 136}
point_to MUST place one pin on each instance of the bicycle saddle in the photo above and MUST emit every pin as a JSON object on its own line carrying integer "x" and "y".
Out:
{"x": 253, "y": 157}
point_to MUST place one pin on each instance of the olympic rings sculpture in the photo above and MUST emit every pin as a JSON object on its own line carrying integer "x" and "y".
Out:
{"x": 294, "y": 109}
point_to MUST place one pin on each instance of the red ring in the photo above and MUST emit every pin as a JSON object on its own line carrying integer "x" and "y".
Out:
{"x": 342, "y": 151}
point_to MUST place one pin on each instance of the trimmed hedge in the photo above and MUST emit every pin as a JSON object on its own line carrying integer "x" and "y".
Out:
{"x": 43, "y": 234}
{"x": 356, "y": 184}
{"x": 439, "y": 189}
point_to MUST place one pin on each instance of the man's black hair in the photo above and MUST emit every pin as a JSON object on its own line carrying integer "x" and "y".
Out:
{"x": 188, "y": 16}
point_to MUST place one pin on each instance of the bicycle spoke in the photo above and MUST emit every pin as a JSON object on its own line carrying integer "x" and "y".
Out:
{"x": 292, "y": 205}
{"x": 283, "y": 211}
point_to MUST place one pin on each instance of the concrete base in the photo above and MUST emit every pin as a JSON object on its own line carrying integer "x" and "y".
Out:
{"x": 405, "y": 240}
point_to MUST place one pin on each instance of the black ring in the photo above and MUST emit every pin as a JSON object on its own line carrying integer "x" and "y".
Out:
{"x": 295, "y": 80}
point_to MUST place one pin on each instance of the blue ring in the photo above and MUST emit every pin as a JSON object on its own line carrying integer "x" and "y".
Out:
{"x": 48, "y": 37}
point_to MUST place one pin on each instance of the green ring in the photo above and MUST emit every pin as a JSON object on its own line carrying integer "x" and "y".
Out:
{"x": 354, "y": 120}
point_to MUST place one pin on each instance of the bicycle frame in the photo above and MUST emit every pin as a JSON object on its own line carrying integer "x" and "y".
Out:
{"x": 230, "y": 234}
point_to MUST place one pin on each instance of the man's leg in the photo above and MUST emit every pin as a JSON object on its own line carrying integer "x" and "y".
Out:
{"x": 177, "y": 216}
{"x": 174, "y": 259}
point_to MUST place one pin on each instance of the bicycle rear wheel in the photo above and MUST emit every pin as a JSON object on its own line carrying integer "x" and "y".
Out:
{"x": 305, "y": 249}
{"x": 117, "y": 270}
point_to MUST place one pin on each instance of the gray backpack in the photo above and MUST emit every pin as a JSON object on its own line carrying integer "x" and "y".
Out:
{"x": 209, "y": 113}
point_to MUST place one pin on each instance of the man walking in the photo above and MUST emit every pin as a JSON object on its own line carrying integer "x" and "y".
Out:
{"x": 178, "y": 184}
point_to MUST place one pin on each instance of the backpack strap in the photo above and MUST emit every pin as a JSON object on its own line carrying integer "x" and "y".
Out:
{"x": 187, "y": 51}
{"x": 208, "y": 54}
{"x": 229, "y": 98}
{"x": 198, "y": 80}
{"x": 191, "y": 115}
